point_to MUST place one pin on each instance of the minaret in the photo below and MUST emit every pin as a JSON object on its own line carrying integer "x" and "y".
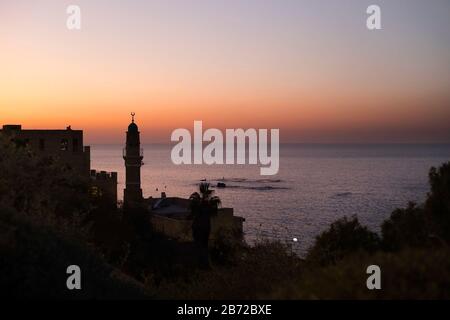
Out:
{"x": 133, "y": 155}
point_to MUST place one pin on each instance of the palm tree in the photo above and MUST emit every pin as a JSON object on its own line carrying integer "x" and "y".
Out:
{"x": 203, "y": 205}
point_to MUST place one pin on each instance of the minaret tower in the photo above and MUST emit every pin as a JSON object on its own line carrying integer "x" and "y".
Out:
{"x": 133, "y": 155}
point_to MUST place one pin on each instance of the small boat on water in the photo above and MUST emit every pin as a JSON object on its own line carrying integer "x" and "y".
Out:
{"x": 221, "y": 185}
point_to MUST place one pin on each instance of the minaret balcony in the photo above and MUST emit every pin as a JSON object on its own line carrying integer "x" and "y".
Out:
{"x": 127, "y": 154}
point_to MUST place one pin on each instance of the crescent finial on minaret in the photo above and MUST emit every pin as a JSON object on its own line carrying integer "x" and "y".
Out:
{"x": 132, "y": 116}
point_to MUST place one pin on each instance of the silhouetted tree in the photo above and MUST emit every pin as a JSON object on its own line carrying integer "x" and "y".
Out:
{"x": 344, "y": 237}
{"x": 437, "y": 204}
{"x": 405, "y": 228}
{"x": 203, "y": 205}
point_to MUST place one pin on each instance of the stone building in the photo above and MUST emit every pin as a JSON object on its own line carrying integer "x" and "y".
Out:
{"x": 67, "y": 147}
{"x": 105, "y": 183}
{"x": 172, "y": 217}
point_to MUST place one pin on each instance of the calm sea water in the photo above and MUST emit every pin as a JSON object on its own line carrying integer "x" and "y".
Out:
{"x": 316, "y": 184}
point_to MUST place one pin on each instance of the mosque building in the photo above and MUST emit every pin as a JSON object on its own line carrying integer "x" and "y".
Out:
{"x": 170, "y": 216}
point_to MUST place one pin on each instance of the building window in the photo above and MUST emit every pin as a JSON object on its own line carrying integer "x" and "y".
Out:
{"x": 75, "y": 145}
{"x": 41, "y": 144}
{"x": 64, "y": 146}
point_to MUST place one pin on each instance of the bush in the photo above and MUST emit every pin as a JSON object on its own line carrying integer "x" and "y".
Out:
{"x": 255, "y": 274}
{"x": 34, "y": 259}
{"x": 409, "y": 274}
{"x": 226, "y": 248}
{"x": 405, "y": 228}
{"x": 438, "y": 201}
{"x": 343, "y": 238}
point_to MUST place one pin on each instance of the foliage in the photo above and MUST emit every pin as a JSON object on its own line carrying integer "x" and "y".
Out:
{"x": 344, "y": 237}
{"x": 408, "y": 274}
{"x": 204, "y": 200}
{"x": 259, "y": 270}
{"x": 226, "y": 248}
{"x": 437, "y": 204}
{"x": 203, "y": 205}
{"x": 406, "y": 227}
{"x": 34, "y": 259}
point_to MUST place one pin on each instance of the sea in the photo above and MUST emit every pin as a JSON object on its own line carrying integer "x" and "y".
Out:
{"x": 316, "y": 184}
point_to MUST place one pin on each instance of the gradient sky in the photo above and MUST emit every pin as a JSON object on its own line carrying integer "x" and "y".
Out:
{"x": 310, "y": 68}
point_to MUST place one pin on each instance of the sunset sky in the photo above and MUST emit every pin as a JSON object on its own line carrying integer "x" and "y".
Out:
{"x": 310, "y": 68}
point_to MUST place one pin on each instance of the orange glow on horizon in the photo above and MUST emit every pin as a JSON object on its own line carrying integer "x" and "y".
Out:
{"x": 293, "y": 74}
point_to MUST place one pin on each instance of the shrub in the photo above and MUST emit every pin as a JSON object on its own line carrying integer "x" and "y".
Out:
{"x": 405, "y": 228}
{"x": 409, "y": 274}
{"x": 34, "y": 259}
{"x": 226, "y": 248}
{"x": 343, "y": 238}
{"x": 437, "y": 204}
{"x": 257, "y": 271}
